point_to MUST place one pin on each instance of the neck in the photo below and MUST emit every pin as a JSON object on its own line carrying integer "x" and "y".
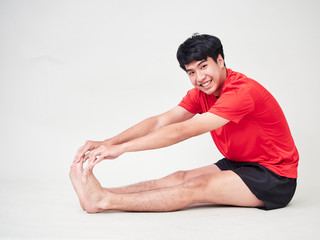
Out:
{"x": 224, "y": 76}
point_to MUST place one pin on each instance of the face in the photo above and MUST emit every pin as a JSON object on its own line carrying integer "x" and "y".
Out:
{"x": 207, "y": 75}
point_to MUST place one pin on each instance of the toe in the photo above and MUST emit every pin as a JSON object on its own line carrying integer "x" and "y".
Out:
{"x": 85, "y": 176}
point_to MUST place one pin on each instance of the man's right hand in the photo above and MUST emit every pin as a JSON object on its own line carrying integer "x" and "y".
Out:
{"x": 87, "y": 147}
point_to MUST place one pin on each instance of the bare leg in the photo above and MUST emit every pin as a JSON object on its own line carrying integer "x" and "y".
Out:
{"x": 76, "y": 176}
{"x": 169, "y": 181}
{"x": 220, "y": 188}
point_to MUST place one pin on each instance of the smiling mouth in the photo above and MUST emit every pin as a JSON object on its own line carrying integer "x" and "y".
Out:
{"x": 206, "y": 83}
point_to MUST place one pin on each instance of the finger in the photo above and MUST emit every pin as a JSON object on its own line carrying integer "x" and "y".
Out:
{"x": 80, "y": 153}
{"x": 97, "y": 153}
{"x": 82, "y": 160}
{"x": 102, "y": 154}
{"x": 83, "y": 150}
{"x": 93, "y": 155}
{"x": 85, "y": 158}
{"x": 97, "y": 160}
{"x": 87, "y": 155}
{"x": 76, "y": 156}
{"x": 90, "y": 166}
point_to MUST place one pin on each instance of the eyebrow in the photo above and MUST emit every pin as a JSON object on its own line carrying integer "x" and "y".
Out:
{"x": 204, "y": 60}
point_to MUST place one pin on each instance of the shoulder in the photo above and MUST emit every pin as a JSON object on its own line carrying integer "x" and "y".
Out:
{"x": 238, "y": 82}
{"x": 194, "y": 92}
{"x": 194, "y": 95}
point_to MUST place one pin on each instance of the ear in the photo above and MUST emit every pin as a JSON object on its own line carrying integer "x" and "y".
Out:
{"x": 220, "y": 60}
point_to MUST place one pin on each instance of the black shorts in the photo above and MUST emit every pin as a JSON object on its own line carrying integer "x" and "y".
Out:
{"x": 274, "y": 190}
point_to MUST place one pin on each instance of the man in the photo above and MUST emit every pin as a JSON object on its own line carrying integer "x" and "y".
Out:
{"x": 246, "y": 124}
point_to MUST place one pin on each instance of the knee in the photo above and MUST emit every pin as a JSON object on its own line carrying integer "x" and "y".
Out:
{"x": 195, "y": 189}
{"x": 180, "y": 176}
{"x": 198, "y": 183}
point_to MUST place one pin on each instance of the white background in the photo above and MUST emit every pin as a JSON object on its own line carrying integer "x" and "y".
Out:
{"x": 77, "y": 70}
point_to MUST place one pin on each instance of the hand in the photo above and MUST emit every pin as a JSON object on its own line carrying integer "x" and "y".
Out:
{"x": 89, "y": 146}
{"x": 105, "y": 151}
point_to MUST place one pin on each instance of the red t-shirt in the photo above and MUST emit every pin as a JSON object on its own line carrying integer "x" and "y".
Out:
{"x": 258, "y": 130}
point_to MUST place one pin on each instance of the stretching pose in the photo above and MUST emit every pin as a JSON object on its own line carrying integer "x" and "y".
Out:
{"x": 246, "y": 124}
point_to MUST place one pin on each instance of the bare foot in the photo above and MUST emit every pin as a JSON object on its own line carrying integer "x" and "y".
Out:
{"x": 75, "y": 175}
{"x": 95, "y": 197}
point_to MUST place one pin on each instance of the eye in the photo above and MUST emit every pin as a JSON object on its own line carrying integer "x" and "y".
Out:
{"x": 204, "y": 66}
{"x": 190, "y": 73}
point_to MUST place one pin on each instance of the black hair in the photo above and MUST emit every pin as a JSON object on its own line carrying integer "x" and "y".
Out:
{"x": 199, "y": 47}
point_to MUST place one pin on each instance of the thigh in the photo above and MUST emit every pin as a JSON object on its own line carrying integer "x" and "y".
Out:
{"x": 227, "y": 188}
{"x": 210, "y": 169}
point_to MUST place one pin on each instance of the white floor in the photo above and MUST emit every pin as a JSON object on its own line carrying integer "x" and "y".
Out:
{"x": 31, "y": 210}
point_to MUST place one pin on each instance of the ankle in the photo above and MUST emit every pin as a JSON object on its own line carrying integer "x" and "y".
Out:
{"x": 109, "y": 201}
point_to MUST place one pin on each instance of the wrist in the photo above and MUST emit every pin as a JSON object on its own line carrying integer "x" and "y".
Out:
{"x": 125, "y": 147}
{"x": 108, "y": 141}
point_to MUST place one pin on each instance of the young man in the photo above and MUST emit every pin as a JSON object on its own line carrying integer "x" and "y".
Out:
{"x": 245, "y": 122}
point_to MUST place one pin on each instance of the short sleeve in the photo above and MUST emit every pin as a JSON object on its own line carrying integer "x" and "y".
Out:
{"x": 234, "y": 103}
{"x": 191, "y": 101}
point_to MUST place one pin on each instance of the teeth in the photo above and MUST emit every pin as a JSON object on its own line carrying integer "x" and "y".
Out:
{"x": 206, "y": 84}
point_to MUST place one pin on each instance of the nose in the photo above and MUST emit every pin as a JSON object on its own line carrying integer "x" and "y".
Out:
{"x": 200, "y": 76}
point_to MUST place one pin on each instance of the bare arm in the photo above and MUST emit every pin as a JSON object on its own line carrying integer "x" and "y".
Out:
{"x": 145, "y": 127}
{"x": 163, "y": 137}
{"x": 175, "y": 133}
{"x": 177, "y": 114}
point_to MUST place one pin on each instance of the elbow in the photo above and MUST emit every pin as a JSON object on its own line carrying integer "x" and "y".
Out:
{"x": 154, "y": 123}
{"x": 181, "y": 133}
